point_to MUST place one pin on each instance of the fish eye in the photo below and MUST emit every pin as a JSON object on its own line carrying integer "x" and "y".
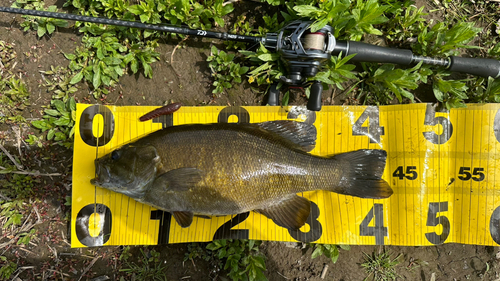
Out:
{"x": 115, "y": 155}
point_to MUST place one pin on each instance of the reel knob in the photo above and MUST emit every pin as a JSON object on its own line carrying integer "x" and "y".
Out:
{"x": 314, "y": 103}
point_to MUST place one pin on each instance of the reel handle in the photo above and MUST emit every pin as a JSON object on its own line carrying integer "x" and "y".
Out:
{"x": 274, "y": 95}
{"x": 314, "y": 102}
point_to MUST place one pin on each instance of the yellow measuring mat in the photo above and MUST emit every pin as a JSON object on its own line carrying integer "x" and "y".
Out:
{"x": 444, "y": 168}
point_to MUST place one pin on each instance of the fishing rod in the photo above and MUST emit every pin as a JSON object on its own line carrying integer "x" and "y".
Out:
{"x": 303, "y": 51}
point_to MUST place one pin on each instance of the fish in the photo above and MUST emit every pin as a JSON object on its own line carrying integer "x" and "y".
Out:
{"x": 231, "y": 168}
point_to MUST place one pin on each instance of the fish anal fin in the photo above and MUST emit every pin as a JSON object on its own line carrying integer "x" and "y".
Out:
{"x": 290, "y": 213}
{"x": 299, "y": 133}
{"x": 184, "y": 219}
{"x": 179, "y": 179}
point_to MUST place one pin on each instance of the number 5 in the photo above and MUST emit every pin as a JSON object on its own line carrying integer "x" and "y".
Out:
{"x": 432, "y": 120}
{"x": 434, "y": 220}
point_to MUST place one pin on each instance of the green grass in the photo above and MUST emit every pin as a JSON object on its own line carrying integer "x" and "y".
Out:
{"x": 380, "y": 267}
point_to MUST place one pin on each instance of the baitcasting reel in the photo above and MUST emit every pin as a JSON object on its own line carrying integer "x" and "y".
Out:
{"x": 303, "y": 51}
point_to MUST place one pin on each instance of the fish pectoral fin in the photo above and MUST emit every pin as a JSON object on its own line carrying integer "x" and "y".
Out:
{"x": 290, "y": 213}
{"x": 300, "y": 133}
{"x": 184, "y": 219}
{"x": 179, "y": 179}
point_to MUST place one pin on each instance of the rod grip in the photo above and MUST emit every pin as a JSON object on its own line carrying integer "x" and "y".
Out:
{"x": 372, "y": 53}
{"x": 475, "y": 66}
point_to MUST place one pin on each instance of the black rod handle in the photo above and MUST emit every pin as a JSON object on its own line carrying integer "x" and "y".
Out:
{"x": 475, "y": 66}
{"x": 372, "y": 53}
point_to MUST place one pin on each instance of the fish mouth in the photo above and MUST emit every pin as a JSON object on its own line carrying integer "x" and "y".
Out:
{"x": 102, "y": 176}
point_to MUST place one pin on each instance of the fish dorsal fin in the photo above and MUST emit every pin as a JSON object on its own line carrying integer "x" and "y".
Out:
{"x": 290, "y": 213}
{"x": 179, "y": 179}
{"x": 184, "y": 219}
{"x": 301, "y": 134}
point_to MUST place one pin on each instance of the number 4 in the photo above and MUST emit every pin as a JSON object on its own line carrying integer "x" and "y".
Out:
{"x": 373, "y": 130}
{"x": 379, "y": 230}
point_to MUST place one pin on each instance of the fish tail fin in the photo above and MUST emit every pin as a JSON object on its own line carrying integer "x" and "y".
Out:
{"x": 362, "y": 174}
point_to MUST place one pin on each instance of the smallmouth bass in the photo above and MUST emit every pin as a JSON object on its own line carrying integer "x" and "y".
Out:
{"x": 226, "y": 168}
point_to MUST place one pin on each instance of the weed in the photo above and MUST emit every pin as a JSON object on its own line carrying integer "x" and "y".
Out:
{"x": 386, "y": 80}
{"x": 59, "y": 121}
{"x": 224, "y": 70}
{"x": 196, "y": 251}
{"x": 34, "y": 140}
{"x": 406, "y": 23}
{"x": 352, "y": 18}
{"x": 17, "y": 186}
{"x": 25, "y": 238}
{"x": 268, "y": 66}
{"x": 381, "y": 266}
{"x": 42, "y": 25}
{"x": 149, "y": 267}
{"x": 7, "y": 268}
{"x": 337, "y": 72}
{"x": 58, "y": 81}
{"x": 13, "y": 92}
{"x": 241, "y": 257}
{"x": 11, "y": 211}
{"x": 330, "y": 251}
{"x": 125, "y": 255}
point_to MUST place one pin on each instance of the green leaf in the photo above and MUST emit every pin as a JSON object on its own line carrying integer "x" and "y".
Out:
{"x": 318, "y": 251}
{"x": 40, "y": 124}
{"x": 41, "y": 30}
{"x": 135, "y": 9}
{"x": 50, "y": 134}
{"x": 52, "y": 112}
{"x": 60, "y": 22}
{"x": 77, "y": 78}
{"x": 50, "y": 28}
{"x": 285, "y": 99}
{"x": 96, "y": 80}
{"x": 213, "y": 246}
{"x": 63, "y": 121}
{"x": 219, "y": 21}
{"x": 345, "y": 247}
{"x": 72, "y": 104}
{"x": 59, "y": 105}
{"x": 334, "y": 254}
{"x": 307, "y": 11}
{"x": 70, "y": 56}
{"x": 319, "y": 24}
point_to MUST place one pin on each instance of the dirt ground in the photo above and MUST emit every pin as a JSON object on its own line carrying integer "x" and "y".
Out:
{"x": 182, "y": 77}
